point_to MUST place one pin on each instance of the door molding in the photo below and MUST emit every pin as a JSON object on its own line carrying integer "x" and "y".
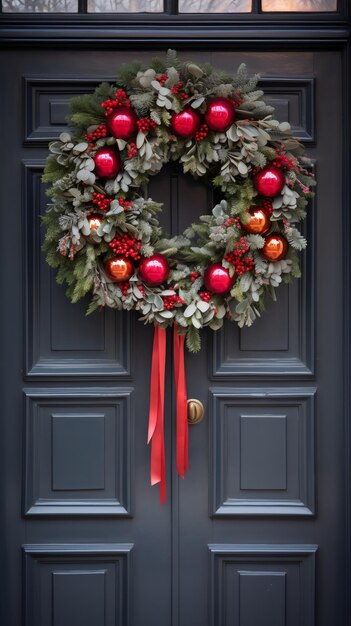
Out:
{"x": 312, "y": 33}
{"x": 160, "y": 30}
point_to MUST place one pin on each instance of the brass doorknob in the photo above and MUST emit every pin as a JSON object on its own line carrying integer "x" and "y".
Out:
{"x": 196, "y": 411}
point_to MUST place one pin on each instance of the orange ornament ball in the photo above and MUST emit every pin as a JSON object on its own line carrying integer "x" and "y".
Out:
{"x": 258, "y": 222}
{"x": 119, "y": 269}
{"x": 95, "y": 222}
{"x": 275, "y": 248}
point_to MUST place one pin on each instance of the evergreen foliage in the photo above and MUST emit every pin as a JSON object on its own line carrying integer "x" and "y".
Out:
{"x": 228, "y": 161}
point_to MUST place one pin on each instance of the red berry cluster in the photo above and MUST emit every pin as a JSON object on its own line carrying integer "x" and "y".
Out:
{"x": 201, "y": 133}
{"x": 72, "y": 251}
{"x": 238, "y": 100}
{"x": 178, "y": 90}
{"x": 127, "y": 246}
{"x": 304, "y": 171}
{"x": 267, "y": 207}
{"x": 205, "y": 295}
{"x": 238, "y": 259}
{"x": 162, "y": 79}
{"x": 132, "y": 150}
{"x": 101, "y": 201}
{"x": 125, "y": 204}
{"x": 194, "y": 276}
{"x": 62, "y": 245}
{"x": 141, "y": 289}
{"x": 284, "y": 162}
{"x": 145, "y": 124}
{"x": 234, "y": 220}
{"x": 120, "y": 100}
{"x": 101, "y": 131}
{"x": 124, "y": 287}
{"x": 169, "y": 302}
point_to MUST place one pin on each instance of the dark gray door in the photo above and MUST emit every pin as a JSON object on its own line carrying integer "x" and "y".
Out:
{"x": 255, "y": 534}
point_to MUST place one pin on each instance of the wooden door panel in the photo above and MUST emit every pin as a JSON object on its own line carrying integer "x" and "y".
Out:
{"x": 262, "y": 451}
{"x": 79, "y": 452}
{"x": 266, "y": 459}
{"x": 83, "y": 583}
{"x": 265, "y": 489}
{"x": 266, "y": 585}
{"x": 281, "y": 342}
{"x": 60, "y": 339}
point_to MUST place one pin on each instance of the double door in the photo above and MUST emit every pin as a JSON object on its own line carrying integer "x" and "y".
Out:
{"x": 255, "y": 534}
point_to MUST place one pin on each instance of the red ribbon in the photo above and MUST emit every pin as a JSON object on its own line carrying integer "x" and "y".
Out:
{"x": 156, "y": 413}
{"x": 181, "y": 403}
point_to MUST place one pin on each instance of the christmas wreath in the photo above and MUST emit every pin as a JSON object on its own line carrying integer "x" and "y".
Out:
{"x": 104, "y": 236}
{"x": 103, "y": 233}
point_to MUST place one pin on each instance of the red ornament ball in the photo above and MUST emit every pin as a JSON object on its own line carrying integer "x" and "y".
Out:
{"x": 186, "y": 123}
{"x": 270, "y": 181}
{"x": 119, "y": 269}
{"x": 153, "y": 270}
{"x": 220, "y": 114}
{"x": 275, "y": 247}
{"x": 258, "y": 222}
{"x": 122, "y": 123}
{"x": 217, "y": 279}
{"x": 107, "y": 163}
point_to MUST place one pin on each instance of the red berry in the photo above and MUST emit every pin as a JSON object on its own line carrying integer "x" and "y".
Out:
{"x": 120, "y": 99}
{"x": 201, "y": 133}
{"x": 101, "y": 201}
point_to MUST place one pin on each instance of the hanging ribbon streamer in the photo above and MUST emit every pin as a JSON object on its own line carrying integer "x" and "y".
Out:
{"x": 156, "y": 413}
{"x": 181, "y": 403}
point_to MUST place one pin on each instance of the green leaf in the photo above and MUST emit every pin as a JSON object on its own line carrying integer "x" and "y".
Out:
{"x": 80, "y": 147}
{"x": 65, "y": 137}
{"x": 284, "y": 127}
{"x": 190, "y": 310}
{"x": 255, "y": 241}
{"x": 166, "y": 314}
{"x": 232, "y": 133}
{"x": 195, "y": 70}
{"x": 193, "y": 339}
{"x": 93, "y": 305}
{"x": 216, "y": 323}
{"x": 198, "y": 102}
{"x": 202, "y": 306}
{"x": 242, "y": 306}
{"x": 172, "y": 59}
{"x": 242, "y": 167}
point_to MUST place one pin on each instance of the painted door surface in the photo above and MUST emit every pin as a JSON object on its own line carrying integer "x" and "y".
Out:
{"x": 255, "y": 534}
